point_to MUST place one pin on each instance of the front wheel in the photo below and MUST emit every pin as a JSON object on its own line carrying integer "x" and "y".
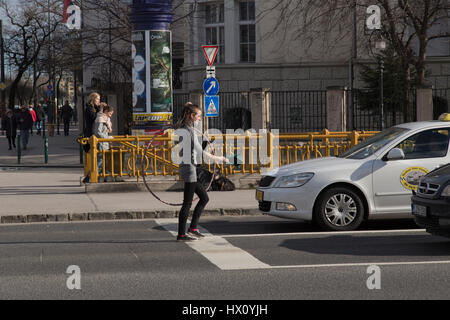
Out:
{"x": 339, "y": 209}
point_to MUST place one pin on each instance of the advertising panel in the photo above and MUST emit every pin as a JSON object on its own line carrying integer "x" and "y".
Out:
{"x": 161, "y": 71}
{"x": 139, "y": 72}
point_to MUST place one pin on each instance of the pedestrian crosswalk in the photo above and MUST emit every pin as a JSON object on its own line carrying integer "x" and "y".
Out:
{"x": 217, "y": 249}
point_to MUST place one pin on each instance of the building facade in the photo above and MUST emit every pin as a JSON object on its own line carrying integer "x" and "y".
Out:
{"x": 260, "y": 49}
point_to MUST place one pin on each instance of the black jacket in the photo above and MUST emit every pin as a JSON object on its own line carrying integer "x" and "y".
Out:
{"x": 27, "y": 122}
{"x": 10, "y": 126}
{"x": 66, "y": 112}
{"x": 89, "y": 119}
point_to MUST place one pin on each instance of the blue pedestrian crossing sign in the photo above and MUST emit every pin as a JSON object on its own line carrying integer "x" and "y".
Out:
{"x": 211, "y": 106}
{"x": 211, "y": 86}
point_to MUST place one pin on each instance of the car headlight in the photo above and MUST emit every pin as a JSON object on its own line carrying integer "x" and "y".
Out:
{"x": 296, "y": 180}
{"x": 446, "y": 192}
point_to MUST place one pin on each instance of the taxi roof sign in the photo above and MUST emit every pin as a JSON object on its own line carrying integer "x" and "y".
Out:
{"x": 210, "y": 53}
{"x": 444, "y": 117}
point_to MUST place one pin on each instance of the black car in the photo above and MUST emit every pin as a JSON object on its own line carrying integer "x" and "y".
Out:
{"x": 431, "y": 202}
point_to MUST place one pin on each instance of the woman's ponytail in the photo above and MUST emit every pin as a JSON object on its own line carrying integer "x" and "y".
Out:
{"x": 188, "y": 109}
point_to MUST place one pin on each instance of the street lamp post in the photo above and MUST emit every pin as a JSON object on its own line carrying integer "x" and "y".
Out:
{"x": 373, "y": 24}
{"x": 381, "y": 104}
{"x": 2, "y": 69}
{"x": 381, "y": 45}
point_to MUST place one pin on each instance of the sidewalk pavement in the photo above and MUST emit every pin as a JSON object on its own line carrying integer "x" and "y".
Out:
{"x": 37, "y": 192}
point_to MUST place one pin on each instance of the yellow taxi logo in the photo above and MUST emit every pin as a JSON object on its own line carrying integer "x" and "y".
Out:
{"x": 410, "y": 177}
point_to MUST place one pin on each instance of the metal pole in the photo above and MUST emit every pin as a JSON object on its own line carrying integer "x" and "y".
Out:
{"x": 44, "y": 135}
{"x": 46, "y": 149}
{"x": 2, "y": 69}
{"x": 81, "y": 150}
{"x": 381, "y": 69}
{"x": 19, "y": 149}
{"x": 34, "y": 76}
{"x": 82, "y": 115}
{"x": 352, "y": 65}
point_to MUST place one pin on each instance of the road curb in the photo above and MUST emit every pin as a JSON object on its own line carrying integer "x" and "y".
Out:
{"x": 119, "y": 215}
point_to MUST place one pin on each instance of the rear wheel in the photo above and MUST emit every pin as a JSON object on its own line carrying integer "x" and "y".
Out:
{"x": 339, "y": 209}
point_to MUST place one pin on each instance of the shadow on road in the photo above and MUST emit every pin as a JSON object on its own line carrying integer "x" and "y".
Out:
{"x": 369, "y": 245}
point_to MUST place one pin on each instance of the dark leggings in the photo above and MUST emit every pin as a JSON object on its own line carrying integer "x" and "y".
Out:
{"x": 11, "y": 140}
{"x": 189, "y": 189}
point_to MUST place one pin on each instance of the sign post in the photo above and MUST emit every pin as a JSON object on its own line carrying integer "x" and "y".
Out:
{"x": 211, "y": 84}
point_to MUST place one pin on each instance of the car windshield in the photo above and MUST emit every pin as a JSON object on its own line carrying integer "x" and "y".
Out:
{"x": 373, "y": 144}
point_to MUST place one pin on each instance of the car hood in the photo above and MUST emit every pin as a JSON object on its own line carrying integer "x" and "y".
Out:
{"x": 314, "y": 165}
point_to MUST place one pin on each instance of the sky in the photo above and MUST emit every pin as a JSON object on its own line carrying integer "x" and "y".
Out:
{"x": 9, "y": 3}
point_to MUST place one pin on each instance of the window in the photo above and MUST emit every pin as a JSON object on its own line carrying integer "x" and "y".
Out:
{"x": 215, "y": 29}
{"x": 247, "y": 34}
{"x": 373, "y": 144}
{"x": 426, "y": 144}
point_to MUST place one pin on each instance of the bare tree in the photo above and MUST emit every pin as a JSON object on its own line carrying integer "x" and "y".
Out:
{"x": 106, "y": 36}
{"x": 408, "y": 25}
{"x": 27, "y": 35}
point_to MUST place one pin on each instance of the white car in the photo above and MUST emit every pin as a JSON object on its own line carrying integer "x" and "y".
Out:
{"x": 373, "y": 179}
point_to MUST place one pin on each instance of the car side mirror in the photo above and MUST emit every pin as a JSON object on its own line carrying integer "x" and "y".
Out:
{"x": 395, "y": 154}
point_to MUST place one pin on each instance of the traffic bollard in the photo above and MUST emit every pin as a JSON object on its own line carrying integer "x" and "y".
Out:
{"x": 46, "y": 149}
{"x": 81, "y": 151}
{"x": 19, "y": 149}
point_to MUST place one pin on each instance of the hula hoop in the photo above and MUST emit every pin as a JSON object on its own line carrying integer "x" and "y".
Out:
{"x": 143, "y": 171}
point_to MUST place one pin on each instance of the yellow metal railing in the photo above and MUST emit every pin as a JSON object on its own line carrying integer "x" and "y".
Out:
{"x": 126, "y": 153}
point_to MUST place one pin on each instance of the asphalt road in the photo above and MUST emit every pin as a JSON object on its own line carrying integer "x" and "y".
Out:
{"x": 246, "y": 258}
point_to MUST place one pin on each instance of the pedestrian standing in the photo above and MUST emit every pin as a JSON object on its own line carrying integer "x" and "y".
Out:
{"x": 24, "y": 122}
{"x": 9, "y": 125}
{"x": 39, "y": 118}
{"x": 66, "y": 116}
{"x": 192, "y": 115}
{"x": 33, "y": 116}
{"x": 89, "y": 115}
{"x": 102, "y": 129}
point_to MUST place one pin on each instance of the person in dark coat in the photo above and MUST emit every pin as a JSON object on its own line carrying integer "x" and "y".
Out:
{"x": 40, "y": 115}
{"x": 9, "y": 125}
{"x": 24, "y": 122}
{"x": 66, "y": 116}
{"x": 89, "y": 115}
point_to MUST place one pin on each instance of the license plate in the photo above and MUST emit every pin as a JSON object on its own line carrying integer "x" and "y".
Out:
{"x": 259, "y": 195}
{"x": 420, "y": 210}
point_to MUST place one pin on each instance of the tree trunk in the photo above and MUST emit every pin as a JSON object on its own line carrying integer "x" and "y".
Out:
{"x": 13, "y": 90}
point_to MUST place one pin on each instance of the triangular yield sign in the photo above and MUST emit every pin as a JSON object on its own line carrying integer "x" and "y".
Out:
{"x": 210, "y": 53}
